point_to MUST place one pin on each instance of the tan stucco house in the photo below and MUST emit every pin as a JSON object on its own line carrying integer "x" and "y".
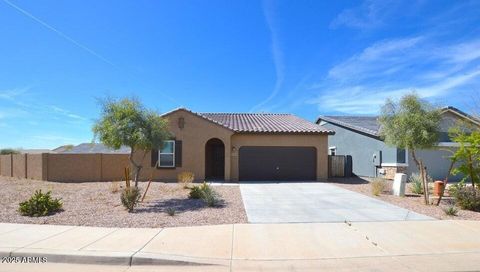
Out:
{"x": 240, "y": 147}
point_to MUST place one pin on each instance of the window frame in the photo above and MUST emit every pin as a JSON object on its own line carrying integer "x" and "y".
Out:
{"x": 160, "y": 153}
{"x": 398, "y": 164}
{"x": 405, "y": 154}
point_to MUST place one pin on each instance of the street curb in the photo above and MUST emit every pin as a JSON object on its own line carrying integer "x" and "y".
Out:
{"x": 113, "y": 258}
{"x": 83, "y": 257}
{"x": 145, "y": 258}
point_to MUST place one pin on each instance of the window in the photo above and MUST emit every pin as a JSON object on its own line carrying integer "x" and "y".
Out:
{"x": 401, "y": 155}
{"x": 332, "y": 150}
{"x": 166, "y": 156}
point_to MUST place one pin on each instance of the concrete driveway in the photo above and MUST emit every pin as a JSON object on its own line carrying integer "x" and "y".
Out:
{"x": 316, "y": 202}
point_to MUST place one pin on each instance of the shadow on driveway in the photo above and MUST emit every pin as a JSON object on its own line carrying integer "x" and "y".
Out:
{"x": 352, "y": 180}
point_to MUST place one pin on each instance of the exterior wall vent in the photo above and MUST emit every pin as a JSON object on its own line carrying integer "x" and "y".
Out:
{"x": 181, "y": 122}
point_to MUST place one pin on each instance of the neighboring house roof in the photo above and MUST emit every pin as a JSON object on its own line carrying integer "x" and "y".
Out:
{"x": 365, "y": 124}
{"x": 371, "y": 126}
{"x": 63, "y": 148}
{"x": 462, "y": 114}
{"x": 91, "y": 148}
{"x": 261, "y": 122}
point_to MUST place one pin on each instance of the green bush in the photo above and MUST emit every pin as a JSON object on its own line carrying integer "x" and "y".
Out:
{"x": 40, "y": 204}
{"x": 416, "y": 183}
{"x": 195, "y": 192}
{"x": 171, "y": 211}
{"x": 451, "y": 210}
{"x": 378, "y": 186}
{"x": 467, "y": 197}
{"x": 206, "y": 193}
{"x": 209, "y": 196}
{"x": 130, "y": 197}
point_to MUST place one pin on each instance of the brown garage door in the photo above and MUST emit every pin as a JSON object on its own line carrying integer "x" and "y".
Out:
{"x": 277, "y": 163}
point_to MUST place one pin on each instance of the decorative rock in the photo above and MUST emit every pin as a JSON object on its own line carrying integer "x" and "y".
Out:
{"x": 399, "y": 184}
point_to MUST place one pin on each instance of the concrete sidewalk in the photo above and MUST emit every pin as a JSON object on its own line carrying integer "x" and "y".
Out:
{"x": 400, "y": 245}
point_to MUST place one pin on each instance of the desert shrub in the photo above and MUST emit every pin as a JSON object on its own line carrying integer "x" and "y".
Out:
{"x": 130, "y": 198}
{"x": 378, "y": 186}
{"x": 206, "y": 193}
{"x": 40, "y": 204}
{"x": 171, "y": 211}
{"x": 467, "y": 197}
{"x": 114, "y": 187}
{"x": 185, "y": 179}
{"x": 451, "y": 210}
{"x": 209, "y": 196}
{"x": 416, "y": 184}
{"x": 195, "y": 192}
{"x": 452, "y": 189}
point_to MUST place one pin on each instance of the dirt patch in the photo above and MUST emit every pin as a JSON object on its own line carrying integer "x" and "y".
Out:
{"x": 411, "y": 201}
{"x": 94, "y": 204}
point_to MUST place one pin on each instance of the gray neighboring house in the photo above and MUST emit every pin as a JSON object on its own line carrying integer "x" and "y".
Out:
{"x": 358, "y": 136}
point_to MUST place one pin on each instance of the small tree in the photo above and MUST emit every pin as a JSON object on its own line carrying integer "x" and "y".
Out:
{"x": 411, "y": 124}
{"x": 127, "y": 122}
{"x": 8, "y": 151}
{"x": 468, "y": 153}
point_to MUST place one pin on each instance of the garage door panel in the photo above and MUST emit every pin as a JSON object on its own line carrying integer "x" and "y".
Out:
{"x": 277, "y": 163}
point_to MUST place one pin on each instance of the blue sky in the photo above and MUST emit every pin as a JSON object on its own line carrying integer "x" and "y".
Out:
{"x": 304, "y": 57}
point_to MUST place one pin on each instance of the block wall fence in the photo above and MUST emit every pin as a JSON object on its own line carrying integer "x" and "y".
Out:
{"x": 65, "y": 167}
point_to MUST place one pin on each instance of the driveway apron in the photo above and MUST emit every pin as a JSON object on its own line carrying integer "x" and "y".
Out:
{"x": 316, "y": 202}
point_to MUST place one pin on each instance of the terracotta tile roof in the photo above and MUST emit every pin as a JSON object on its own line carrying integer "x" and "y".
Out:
{"x": 261, "y": 122}
{"x": 264, "y": 123}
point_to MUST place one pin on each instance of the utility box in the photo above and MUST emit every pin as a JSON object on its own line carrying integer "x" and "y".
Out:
{"x": 399, "y": 184}
{"x": 377, "y": 158}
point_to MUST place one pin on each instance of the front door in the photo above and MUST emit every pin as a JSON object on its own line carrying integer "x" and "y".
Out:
{"x": 215, "y": 160}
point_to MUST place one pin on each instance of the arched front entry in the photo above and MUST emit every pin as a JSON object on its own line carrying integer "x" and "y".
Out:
{"x": 214, "y": 159}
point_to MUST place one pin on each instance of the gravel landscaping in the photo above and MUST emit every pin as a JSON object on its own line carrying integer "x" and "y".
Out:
{"x": 411, "y": 201}
{"x": 97, "y": 204}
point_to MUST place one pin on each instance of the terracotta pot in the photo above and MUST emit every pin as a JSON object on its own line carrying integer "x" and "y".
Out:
{"x": 438, "y": 187}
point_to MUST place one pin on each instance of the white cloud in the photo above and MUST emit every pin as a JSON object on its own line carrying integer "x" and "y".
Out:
{"x": 18, "y": 104}
{"x": 384, "y": 57}
{"x": 65, "y": 113}
{"x": 367, "y": 99}
{"x": 369, "y": 14}
{"x": 462, "y": 52}
{"x": 356, "y": 99}
{"x": 6, "y": 113}
{"x": 391, "y": 68}
{"x": 277, "y": 55}
{"x": 12, "y": 93}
